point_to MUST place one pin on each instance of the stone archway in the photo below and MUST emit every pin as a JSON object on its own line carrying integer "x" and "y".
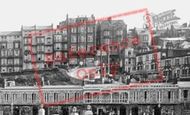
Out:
{"x": 35, "y": 110}
{"x": 26, "y": 110}
{"x": 123, "y": 110}
{"x": 6, "y": 110}
{"x": 157, "y": 110}
{"x": 135, "y": 111}
{"x": 64, "y": 110}
{"x": 16, "y": 110}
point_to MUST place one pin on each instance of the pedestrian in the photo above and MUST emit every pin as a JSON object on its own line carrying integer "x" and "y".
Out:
{"x": 88, "y": 111}
{"x": 74, "y": 111}
{"x": 41, "y": 110}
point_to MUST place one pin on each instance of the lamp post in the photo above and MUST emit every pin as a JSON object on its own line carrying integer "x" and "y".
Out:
{"x": 12, "y": 107}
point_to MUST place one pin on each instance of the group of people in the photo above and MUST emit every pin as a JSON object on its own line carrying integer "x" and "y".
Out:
{"x": 87, "y": 112}
{"x": 74, "y": 111}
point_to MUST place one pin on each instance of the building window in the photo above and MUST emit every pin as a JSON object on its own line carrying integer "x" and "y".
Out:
{"x": 14, "y": 97}
{"x": 73, "y": 30}
{"x": 140, "y": 59}
{"x": 186, "y": 61}
{"x": 147, "y": 57}
{"x": 82, "y": 39}
{"x": 3, "y": 61}
{"x": 56, "y": 97}
{"x": 145, "y": 95}
{"x": 106, "y": 33}
{"x": 10, "y": 52}
{"x": 169, "y": 95}
{"x": 58, "y": 38}
{"x": 10, "y": 61}
{"x": 49, "y": 40}
{"x": 10, "y": 46}
{"x": 129, "y": 62}
{"x": 81, "y": 29}
{"x": 73, "y": 47}
{"x": 168, "y": 63}
{"x": 3, "y": 53}
{"x": 65, "y": 55}
{"x": 73, "y": 39}
{"x": 176, "y": 61}
{"x": 46, "y": 97}
{"x": 88, "y": 95}
{"x": 153, "y": 66}
{"x": 119, "y": 32}
{"x": 81, "y": 47}
{"x": 64, "y": 32}
{"x": 129, "y": 53}
{"x": 65, "y": 46}
{"x": 3, "y": 45}
{"x": 73, "y": 61}
{"x": 34, "y": 97}
{"x": 90, "y": 29}
{"x": 16, "y": 61}
{"x": 57, "y": 46}
{"x": 90, "y": 38}
{"x": 185, "y": 94}
{"x": 40, "y": 48}
{"x": 58, "y": 55}
{"x": 16, "y": 52}
{"x": 147, "y": 67}
{"x": 65, "y": 38}
{"x": 40, "y": 40}
{"x": 24, "y": 97}
{"x": 16, "y": 45}
{"x": 90, "y": 47}
{"x": 6, "y": 97}
{"x": 40, "y": 57}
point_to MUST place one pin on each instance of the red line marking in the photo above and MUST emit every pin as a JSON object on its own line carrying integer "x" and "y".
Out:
{"x": 34, "y": 65}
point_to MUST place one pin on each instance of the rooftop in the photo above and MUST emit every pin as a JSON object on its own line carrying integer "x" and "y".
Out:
{"x": 10, "y": 33}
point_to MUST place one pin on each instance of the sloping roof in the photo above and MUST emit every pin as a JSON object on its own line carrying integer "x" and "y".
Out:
{"x": 9, "y": 33}
{"x": 113, "y": 23}
{"x": 37, "y": 27}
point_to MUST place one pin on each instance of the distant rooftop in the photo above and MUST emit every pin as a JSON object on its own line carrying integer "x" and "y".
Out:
{"x": 37, "y": 27}
{"x": 10, "y": 33}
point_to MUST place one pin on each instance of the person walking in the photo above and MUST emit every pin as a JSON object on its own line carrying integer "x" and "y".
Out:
{"x": 41, "y": 110}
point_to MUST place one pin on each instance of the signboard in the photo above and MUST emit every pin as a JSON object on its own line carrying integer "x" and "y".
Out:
{"x": 164, "y": 20}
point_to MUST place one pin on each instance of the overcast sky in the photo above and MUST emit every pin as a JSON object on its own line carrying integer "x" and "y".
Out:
{"x": 15, "y": 13}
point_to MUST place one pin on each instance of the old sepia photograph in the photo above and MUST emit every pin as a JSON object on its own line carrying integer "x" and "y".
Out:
{"x": 100, "y": 57}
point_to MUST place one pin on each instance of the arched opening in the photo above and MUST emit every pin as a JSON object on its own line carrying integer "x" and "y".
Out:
{"x": 135, "y": 111}
{"x": 100, "y": 112}
{"x": 65, "y": 110}
{"x": 35, "y": 110}
{"x": 88, "y": 97}
{"x": 123, "y": 110}
{"x": 16, "y": 111}
{"x": 157, "y": 110}
{"x": 115, "y": 97}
